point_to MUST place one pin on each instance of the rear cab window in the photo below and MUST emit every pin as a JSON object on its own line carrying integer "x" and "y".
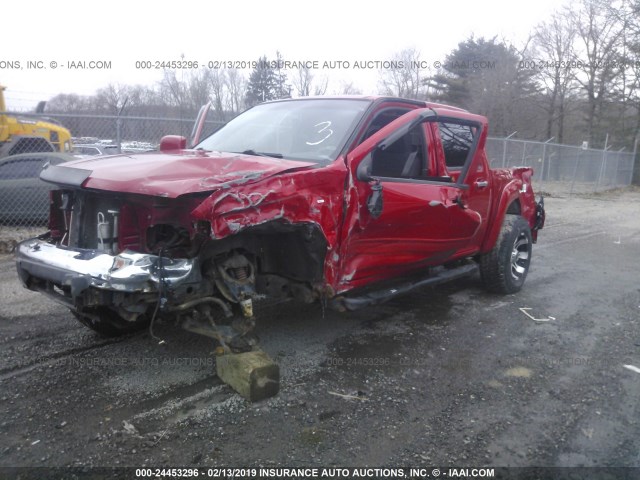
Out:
{"x": 456, "y": 140}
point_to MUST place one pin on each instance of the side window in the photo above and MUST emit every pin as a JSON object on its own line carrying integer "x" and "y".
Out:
{"x": 404, "y": 158}
{"x": 456, "y": 143}
{"x": 5, "y": 171}
{"x": 26, "y": 168}
{"x": 382, "y": 119}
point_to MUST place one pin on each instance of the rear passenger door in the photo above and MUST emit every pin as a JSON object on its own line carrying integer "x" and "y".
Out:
{"x": 454, "y": 141}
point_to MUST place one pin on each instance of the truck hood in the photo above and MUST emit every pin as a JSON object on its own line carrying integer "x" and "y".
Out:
{"x": 168, "y": 174}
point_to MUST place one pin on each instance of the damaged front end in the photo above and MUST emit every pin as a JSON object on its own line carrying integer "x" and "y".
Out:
{"x": 119, "y": 260}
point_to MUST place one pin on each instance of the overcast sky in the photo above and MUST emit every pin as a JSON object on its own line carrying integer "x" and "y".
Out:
{"x": 122, "y": 32}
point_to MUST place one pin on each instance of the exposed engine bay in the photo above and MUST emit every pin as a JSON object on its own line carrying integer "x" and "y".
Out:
{"x": 144, "y": 258}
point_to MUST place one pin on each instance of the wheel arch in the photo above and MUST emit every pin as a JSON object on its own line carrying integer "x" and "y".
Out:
{"x": 509, "y": 203}
{"x": 504, "y": 269}
{"x": 293, "y": 250}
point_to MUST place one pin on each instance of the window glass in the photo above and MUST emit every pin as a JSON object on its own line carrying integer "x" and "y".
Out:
{"x": 456, "y": 143}
{"x": 24, "y": 168}
{"x": 404, "y": 158}
{"x": 314, "y": 129}
{"x": 382, "y": 119}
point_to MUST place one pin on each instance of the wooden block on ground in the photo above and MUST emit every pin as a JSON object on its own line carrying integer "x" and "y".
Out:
{"x": 252, "y": 374}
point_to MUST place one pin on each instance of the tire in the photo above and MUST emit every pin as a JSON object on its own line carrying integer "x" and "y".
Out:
{"x": 504, "y": 269}
{"x": 108, "y": 323}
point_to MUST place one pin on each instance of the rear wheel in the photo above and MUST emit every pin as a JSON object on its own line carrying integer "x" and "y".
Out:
{"x": 109, "y": 324}
{"x": 504, "y": 269}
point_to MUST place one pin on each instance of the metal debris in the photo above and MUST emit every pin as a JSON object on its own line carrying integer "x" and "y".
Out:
{"x": 525, "y": 311}
{"x": 348, "y": 397}
{"x": 129, "y": 428}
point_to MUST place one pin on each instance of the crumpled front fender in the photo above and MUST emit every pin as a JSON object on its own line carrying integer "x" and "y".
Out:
{"x": 309, "y": 196}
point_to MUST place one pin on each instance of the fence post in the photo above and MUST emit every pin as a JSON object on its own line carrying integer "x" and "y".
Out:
{"x": 633, "y": 160}
{"x": 504, "y": 149}
{"x": 575, "y": 172}
{"x": 544, "y": 151}
{"x": 604, "y": 161}
{"x": 118, "y": 120}
{"x": 504, "y": 152}
{"x": 617, "y": 169}
{"x": 118, "y": 136}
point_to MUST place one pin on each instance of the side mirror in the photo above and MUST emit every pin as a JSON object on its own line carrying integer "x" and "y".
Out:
{"x": 172, "y": 142}
{"x": 363, "y": 173}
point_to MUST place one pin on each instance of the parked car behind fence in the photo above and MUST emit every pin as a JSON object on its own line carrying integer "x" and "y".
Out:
{"x": 24, "y": 198}
{"x": 94, "y": 149}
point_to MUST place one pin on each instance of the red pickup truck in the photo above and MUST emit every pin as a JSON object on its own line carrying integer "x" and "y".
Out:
{"x": 348, "y": 200}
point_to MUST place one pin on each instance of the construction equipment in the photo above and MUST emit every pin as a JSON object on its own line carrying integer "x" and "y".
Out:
{"x": 27, "y": 133}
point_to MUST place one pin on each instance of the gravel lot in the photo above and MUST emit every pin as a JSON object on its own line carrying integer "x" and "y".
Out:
{"x": 448, "y": 376}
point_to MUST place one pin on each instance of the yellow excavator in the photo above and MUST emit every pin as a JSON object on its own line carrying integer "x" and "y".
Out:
{"x": 27, "y": 133}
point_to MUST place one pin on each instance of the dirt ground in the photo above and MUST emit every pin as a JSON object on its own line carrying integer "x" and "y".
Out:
{"x": 446, "y": 376}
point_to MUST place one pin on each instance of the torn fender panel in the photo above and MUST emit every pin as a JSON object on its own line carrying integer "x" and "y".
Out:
{"x": 514, "y": 185}
{"x": 173, "y": 174}
{"x": 528, "y": 201}
{"x": 305, "y": 196}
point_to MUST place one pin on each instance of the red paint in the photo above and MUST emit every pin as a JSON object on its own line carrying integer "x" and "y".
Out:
{"x": 422, "y": 223}
{"x": 184, "y": 171}
{"x": 170, "y": 143}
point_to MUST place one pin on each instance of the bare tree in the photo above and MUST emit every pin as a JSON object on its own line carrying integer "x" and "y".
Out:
{"x": 348, "y": 88}
{"x": 145, "y": 101}
{"x": 197, "y": 93}
{"x": 172, "y": 90}
{"x": 599, "y": 35}
{"x": 112, "y": 98}
{"x": 302, "y": 79}
{"x": 303, "y": 82}
{"x": 218, "y": 91}
{"x": 236, "y": 86}
{"x": 553, "y": 42}
{"x": 628, "y": 87}
{"x": 405, "y": 78}
{"x": 68, "y": 102}
{"x": 320, "y": 88}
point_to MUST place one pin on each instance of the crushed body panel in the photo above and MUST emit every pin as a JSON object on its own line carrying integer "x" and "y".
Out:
{"x": 328, "y": 196}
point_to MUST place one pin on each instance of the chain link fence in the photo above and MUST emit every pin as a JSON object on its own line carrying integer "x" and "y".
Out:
{"x": 563, "y": 169}
{"x": 559, "y": 169}
{"x": 57, "y": 138}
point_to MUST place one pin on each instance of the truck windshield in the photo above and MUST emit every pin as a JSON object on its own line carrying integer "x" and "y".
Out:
{"x": 313, "y": 129}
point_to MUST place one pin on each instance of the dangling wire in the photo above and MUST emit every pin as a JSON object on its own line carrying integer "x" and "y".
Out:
{"x": 160, "y": 297}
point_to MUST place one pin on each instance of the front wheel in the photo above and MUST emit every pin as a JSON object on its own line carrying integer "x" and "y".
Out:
{"x": 505, "y": 267}
{"x": 108, "y": 323}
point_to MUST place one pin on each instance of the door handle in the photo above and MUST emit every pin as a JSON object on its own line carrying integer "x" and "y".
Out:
{"x": 482, "y": 183}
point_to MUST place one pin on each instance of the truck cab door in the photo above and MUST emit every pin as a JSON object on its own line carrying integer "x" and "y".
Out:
{"x": 403, "y": 213}
{"x": 468, "y": 167}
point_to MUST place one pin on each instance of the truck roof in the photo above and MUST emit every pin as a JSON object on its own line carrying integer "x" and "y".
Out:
{"x": 374, "y": 98}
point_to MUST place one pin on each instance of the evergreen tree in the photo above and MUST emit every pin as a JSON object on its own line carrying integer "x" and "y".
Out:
{"x": 283, "y": 88}
{"x": 484, "y": 76}
{"x": 262, "y": 85}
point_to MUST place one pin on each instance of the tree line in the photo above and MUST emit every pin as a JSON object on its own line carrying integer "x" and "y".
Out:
{"x": 574, "y": 80}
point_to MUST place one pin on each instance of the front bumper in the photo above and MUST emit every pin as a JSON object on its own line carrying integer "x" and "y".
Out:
{"x": 41, "y": 266}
